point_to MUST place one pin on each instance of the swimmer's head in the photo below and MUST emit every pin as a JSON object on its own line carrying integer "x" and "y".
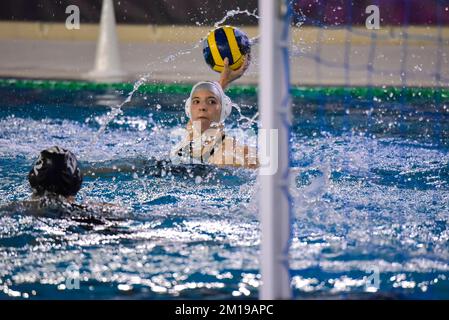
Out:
{"x": 56, "y": 171}
{"x": 208, "y": 103}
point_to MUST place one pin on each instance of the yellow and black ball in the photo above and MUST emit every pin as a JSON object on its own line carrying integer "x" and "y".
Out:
{"x": 225, "y": 42}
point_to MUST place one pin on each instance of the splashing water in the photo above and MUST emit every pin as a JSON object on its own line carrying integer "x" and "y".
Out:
{"x": 232, "y": 13}
{"x": 366, "y": 196}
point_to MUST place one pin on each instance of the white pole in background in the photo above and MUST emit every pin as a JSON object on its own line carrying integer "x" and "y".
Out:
{"x": 107, "y": 59}
{"x": 274, "y": 104}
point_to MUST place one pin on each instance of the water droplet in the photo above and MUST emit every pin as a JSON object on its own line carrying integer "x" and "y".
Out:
{"x": 198, "y": 180}
{"x": 124, "y": 287}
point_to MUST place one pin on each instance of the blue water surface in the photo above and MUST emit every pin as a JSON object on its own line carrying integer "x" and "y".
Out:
{"x": 369, "y": 180}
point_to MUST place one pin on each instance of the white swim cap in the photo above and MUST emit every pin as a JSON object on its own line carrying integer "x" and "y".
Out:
{"x": 214, "y": 87}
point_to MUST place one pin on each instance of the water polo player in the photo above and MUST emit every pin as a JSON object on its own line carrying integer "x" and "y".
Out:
{"x": 205, "y": 141}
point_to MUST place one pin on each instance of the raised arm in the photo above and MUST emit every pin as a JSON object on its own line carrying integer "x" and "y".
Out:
{"x": 228, "y": 75}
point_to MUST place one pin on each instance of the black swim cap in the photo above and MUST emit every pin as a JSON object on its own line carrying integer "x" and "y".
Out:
{"x": 56, "y": 170}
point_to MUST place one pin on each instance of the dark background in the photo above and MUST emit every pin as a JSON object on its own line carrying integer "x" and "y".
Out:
{"x": 168, "y": 12}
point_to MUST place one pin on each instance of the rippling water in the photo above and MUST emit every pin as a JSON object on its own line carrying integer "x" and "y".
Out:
{"x": 370, "y": 183}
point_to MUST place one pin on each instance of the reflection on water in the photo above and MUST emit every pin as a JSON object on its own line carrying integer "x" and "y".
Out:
{"x": 365, "y": 203}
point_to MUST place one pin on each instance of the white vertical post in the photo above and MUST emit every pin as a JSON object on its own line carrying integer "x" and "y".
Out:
{"x": 107, "y": 59}
{"x": 274, "y": 104}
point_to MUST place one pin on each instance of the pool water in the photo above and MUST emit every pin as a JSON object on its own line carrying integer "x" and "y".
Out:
{"x": 370, "y": 184}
